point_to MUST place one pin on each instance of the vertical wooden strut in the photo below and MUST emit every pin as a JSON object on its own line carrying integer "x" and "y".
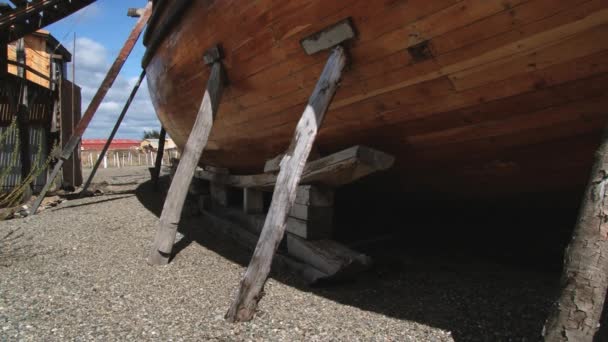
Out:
{"x": 292, "y": 165}
{"x": 23, "y": 117}
{"x": 159, "y": 156}
{"x": 174, "y": 203}
{"x": 106, "y": 84}
{"x": 576, "y": 315}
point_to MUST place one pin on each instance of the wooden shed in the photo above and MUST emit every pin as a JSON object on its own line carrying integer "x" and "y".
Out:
{"x": 37, "y": 109}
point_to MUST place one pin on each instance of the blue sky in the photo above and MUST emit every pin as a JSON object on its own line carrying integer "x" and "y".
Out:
{"x": 101, "y": 29}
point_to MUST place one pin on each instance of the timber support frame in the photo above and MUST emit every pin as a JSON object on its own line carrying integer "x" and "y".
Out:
{"x": 159, "y": 157}
{"x": 178, "y": 190}
{"x": 291, "y": 169}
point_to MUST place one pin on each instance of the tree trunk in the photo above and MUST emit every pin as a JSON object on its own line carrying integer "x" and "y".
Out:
{"x": 576, "y": 315}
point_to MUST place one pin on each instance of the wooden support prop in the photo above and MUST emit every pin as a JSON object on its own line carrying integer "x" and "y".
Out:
{"x": 253, "y": 201}
{"x": 335, "y": 170}
{"x": 23, "y": 118}
{"x": 327, "y": 256}
{"x": 106, "y": 84}
{"x": 174, "y": 203}
{"x": 219, "y": 194}
{"x": 576, "y": 314}
{"x": 159, "y": 156}
{"x": 292, "y": 167}
{"x": 113, "y": 133}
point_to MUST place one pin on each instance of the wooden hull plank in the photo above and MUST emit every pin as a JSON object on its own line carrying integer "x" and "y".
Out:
{"x": 517, "y": 57}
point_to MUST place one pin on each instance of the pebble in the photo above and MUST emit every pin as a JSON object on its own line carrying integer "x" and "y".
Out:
{"x": 78, "y": 272}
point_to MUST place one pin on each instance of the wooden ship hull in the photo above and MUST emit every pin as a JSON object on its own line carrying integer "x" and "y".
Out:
{"x": 472, "y": 98}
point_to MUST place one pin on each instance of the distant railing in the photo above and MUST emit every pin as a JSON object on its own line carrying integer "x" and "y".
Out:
{"x": 117, "y": 159}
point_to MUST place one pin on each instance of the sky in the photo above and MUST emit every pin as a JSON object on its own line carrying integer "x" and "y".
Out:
{"x": 101, "y": 30}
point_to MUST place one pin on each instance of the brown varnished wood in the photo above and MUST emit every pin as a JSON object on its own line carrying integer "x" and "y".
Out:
{"x": 497, "y": 68}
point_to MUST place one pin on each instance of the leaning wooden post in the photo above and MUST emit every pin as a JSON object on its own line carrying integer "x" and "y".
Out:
{"x": 292, "y": 165}
{"x": 23, "y": 117}
{"x": 113, "y": 133}
{"x": 106, "y": 84}
{"x": 174, "y": 202}
{"x": 576, "y": 314}
{"x": 159, "y": 156}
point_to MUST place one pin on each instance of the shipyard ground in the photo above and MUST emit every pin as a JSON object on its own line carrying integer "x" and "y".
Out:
{"x": 78, "y": 272}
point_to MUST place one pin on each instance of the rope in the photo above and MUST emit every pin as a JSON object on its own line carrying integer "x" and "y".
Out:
{"x": 13, "y": 198}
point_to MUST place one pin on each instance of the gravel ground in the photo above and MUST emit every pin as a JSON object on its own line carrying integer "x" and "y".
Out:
{"x": 78, "y": 272}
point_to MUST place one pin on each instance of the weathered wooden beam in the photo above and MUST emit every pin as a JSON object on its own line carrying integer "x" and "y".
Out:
{"x": 247, "y": 239}
{"x": 576, "y": 314}
{"x": 335, "y": 170}
{"x": 159, "y": 156}
{"x": 174, "y": 203}
{"x": 105, "y": 86}
{"x": 23, "y": 117}
{"x": 253, "y": 201}
{"x": 327, "y": 256}
{"x": 219, "y": 194}
{"x": 135, "y": 12}
{"x": 292, "y": 167}
{"x": 24, "y": 19}
{"x": 328, "y": 37}
{"x": 274, "y": 164}
{"x": 316, "y": 196}
{"x": 29, "y": 69}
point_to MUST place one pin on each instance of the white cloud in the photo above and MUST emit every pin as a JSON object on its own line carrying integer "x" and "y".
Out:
{"x": 90, "y": 55}
{"x": 91, "y": 67}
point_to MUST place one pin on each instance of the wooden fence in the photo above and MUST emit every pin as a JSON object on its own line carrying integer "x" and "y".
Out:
{"x": 125, "y": 158}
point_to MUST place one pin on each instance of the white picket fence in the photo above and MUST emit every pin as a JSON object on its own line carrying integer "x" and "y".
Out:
{"x": 124, "y": 158}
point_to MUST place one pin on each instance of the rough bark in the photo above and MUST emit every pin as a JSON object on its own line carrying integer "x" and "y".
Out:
{"x": 576, "y": 314}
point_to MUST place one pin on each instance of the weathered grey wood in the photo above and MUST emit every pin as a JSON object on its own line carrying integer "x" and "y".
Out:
{"x": 247, "y": 239}
{"x": 309, "y": 274}
{"x": 338, "y": 169}
{"x": 252, "y": 222}
{"x": 292, "y": 167}
{"x": 253, "y": 201}
{"x": 159, "y": 156}
{"x": 311, "y": 213}
{"x": 204, "y": 202}
{"x": 218, "y": 170}
{"x": 576, "y": 314}
{"x": 328, "y": 37}
{"x": 313, "y": 195}
{"x": 219, "y": 194}
{"x": 330, "y": 257}
{"x": 22, "y": 118}
{"x": 310, "y": 229}
{"x": 274, "y": 164}
{"x": 174, "y": 203}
